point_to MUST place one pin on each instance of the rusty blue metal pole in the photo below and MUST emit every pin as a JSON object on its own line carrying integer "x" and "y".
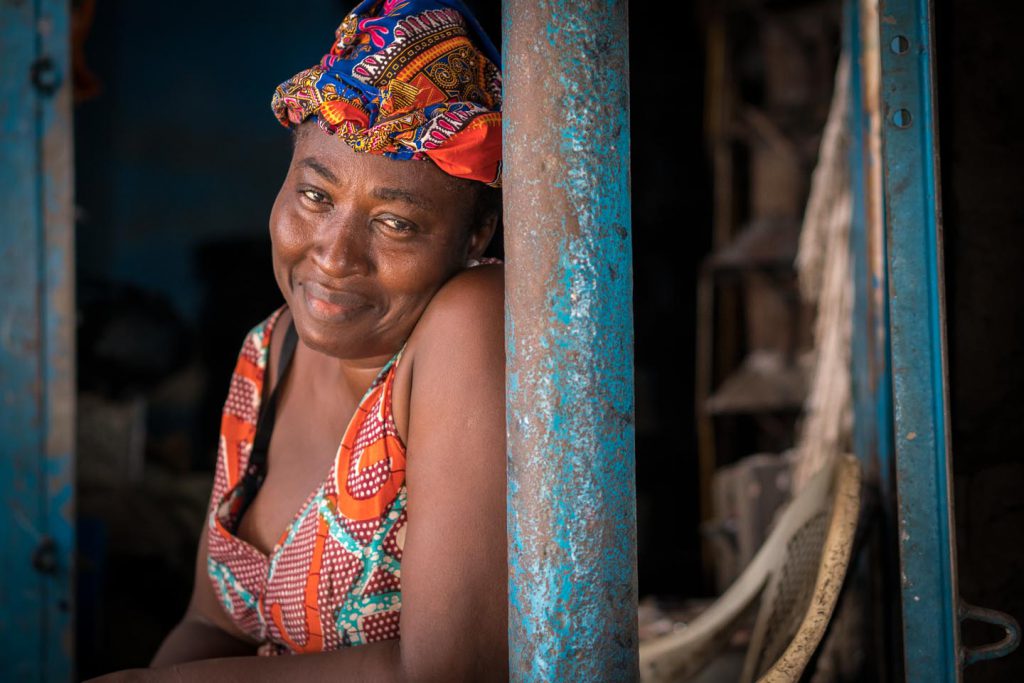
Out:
{"x": 37, "y": 343}
{"x": 569, "y": 342}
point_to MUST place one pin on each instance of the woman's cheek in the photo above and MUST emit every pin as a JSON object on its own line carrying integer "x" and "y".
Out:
{"x": 288, "y": 233}
{"x": 286, "y": 246}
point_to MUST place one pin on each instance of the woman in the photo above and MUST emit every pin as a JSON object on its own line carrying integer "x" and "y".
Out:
{"x": 390, "y": 344}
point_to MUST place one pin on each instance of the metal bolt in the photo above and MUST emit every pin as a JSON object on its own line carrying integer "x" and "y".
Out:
{"x": 45, "y": 77}
{"x": 899, "y": 45}
{"x": 44, "y": 559}
{"x": 901, "y": 118}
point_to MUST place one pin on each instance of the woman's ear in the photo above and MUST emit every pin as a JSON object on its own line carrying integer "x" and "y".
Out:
{"x": 481, "y": 236}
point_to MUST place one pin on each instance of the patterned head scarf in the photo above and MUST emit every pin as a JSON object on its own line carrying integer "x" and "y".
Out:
{"x": 407, "y": 79}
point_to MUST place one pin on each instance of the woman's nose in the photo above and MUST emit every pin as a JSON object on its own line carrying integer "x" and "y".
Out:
{"x": 342, "y": 249}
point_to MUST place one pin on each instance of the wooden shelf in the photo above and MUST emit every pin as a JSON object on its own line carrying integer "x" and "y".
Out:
{"x": 763, "y": 383}
{"x": 766, "y": 244}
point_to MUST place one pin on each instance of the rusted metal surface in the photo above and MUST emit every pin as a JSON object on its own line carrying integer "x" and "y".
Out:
{"x": 37, "y": 332}
{"x": 569, "y": 343}
{"x": 917, "y": 341}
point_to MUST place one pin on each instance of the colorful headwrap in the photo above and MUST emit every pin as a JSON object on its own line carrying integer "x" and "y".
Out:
{"x": 407, "y": 79}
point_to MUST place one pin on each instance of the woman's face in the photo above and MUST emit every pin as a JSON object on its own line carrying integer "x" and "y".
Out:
{"x": 362, "y": 242}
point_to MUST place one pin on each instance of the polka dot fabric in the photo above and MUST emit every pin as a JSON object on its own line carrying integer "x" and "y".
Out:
{"x": 334, "y": 579}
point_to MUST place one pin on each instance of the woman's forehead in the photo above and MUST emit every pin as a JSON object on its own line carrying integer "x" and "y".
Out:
{"x": 416, "y": 182}
{"x": 329, "y": 155}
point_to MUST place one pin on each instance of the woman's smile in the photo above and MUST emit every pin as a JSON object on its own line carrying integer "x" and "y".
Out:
{"x": 332, "y": 306}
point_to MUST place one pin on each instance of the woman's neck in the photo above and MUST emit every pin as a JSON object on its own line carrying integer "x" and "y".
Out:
{"x": 326, "y": 375}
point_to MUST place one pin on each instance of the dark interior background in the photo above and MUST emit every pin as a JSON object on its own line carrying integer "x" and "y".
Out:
{"x": 981, "y": 146}
{"x": 178, "y": 161}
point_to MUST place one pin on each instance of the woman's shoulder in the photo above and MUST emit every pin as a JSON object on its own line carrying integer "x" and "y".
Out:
{"x": 472, "y": 298}
{"x": 464, "y": 320}
{"x": 476, "y": 284}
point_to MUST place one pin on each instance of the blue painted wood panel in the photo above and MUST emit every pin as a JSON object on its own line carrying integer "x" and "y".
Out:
{"x": 37, "y": 327}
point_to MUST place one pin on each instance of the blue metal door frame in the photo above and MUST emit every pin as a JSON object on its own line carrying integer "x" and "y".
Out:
{"x": 899, "y": 337}
{"x": 37, "y": 343}
{"x": 913, "y": 232}
{"x": 897, "y": 349}
{"x": 898, "y": 340}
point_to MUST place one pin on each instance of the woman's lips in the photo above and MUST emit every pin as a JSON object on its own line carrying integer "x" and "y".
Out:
{"x": 330, "y": 305}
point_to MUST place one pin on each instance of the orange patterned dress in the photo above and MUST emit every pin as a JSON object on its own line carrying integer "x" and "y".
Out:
{"x": 334, "y": 577}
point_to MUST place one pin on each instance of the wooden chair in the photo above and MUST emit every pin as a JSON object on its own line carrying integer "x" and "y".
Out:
{"x": 798, "y": 573}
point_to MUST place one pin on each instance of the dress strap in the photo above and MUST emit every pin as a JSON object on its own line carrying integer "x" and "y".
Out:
{"x": 291, "y": 337}
{"x": 398, "y": 355}
{"x": 256, "y": 469}
{"x": 268, "y": 412}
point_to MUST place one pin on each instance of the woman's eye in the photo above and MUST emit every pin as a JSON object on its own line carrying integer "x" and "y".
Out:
{"x": 314, "y": 196}
{"x": 396, "y": 225}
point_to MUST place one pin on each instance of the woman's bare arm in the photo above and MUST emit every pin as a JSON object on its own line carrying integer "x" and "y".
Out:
{"x": 454, "y": 570}
{"x": 454, "y": 576}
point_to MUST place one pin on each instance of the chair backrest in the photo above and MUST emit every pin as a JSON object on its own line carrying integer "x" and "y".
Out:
{"x": 801, "y": 567}
{"x": 801, "y": 594}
